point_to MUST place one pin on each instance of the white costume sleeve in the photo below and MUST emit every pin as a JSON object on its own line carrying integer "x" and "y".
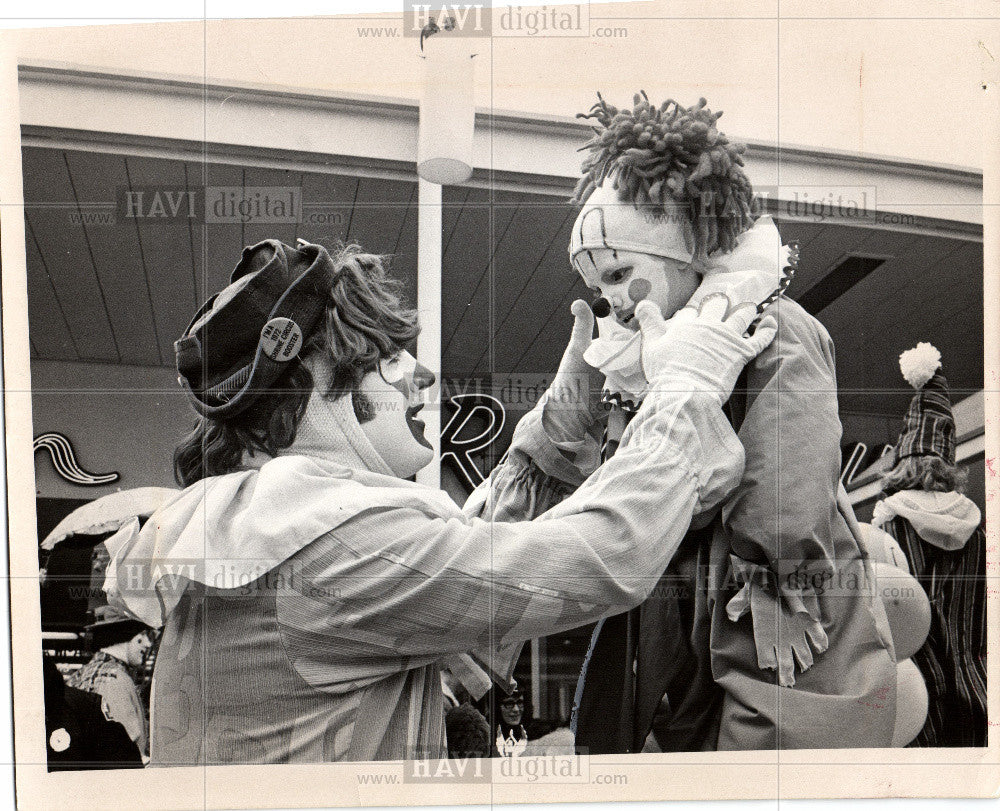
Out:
{"x": 414, "y": 589}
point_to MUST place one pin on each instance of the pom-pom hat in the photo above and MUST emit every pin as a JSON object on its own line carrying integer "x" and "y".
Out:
{"x": 243, "y": 338}
{"x": 929, "y": 426}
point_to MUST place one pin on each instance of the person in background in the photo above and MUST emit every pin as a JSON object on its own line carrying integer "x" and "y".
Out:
{"x": 941, "y": 532}
{"x": 78, "y": 732}
{"x": 115, "y": 671}
{"x": 468, "y": 733}
{"x": 506, "y": 711}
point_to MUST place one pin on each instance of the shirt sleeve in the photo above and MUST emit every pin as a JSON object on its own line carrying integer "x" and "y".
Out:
{"x": 534, "y": 475}
{"x": 396, "y": 589}
{"x": 538, "y": 470}
{"x": 120, "y": 702}
{"x": 785, "y": 511}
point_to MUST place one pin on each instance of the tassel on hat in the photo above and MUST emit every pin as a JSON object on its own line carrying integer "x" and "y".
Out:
{"x": 919, "y": 364}
{"x": 929, "y": 427}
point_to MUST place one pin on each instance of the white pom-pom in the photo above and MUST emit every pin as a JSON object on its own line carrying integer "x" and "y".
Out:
{"x": 919, "y": 364}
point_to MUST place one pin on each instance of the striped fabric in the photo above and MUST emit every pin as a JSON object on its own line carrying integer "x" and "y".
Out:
{"x": 929, "y": 425}
{"x": 953, "y": 659}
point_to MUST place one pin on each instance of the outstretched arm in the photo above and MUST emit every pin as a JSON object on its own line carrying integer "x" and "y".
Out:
{"x": 555, "y": 446}
{"x": 411, "y": 589}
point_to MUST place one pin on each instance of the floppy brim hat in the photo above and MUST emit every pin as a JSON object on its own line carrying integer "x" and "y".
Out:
{"x": 112, "y": 625}
{"x": 242, "y": 339}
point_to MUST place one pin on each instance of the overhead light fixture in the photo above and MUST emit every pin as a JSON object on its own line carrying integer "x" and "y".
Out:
{"x": 447, "y": 108}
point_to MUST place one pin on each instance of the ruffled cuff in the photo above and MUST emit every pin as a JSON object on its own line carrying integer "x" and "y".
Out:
{"x": 786, "y": 615}
{"x": 882, "y": 514}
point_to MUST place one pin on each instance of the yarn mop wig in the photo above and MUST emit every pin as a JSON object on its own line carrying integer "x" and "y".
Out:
{"x": 659, "y": 158}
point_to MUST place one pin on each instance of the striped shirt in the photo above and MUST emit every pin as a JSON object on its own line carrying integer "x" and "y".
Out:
{"x": 953, "y": 659}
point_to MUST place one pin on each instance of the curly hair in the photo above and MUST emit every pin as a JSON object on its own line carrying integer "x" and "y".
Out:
{"x": 365, "y": 322}
{"x": 924, "y": 473}
{"x": 660, "y": 157}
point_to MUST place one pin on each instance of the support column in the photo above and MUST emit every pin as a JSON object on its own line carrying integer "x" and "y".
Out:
{"x": 429, "y": 310}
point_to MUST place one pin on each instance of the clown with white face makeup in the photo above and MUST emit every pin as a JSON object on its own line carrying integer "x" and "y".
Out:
{"x": 626, "y": 254}
{"x": 395, "y": 394}
{"x": 330, "y": 592}
{"x": 669, "y": 217}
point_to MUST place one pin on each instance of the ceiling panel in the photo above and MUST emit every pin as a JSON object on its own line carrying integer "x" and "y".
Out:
{"x": 165, "y": 253}
{"x": 383, "y": 221}
{"x": 542, "y": 349}
{"x": 223, "y": 242}
{"x": 820, "y": 254}
{"x": 531, "y": 288}
{"x": 465, "y": 258}
{"x": 194, "y": 174}
{"x": 49, "y": 331}
{"x": 115, "y": 246}
{"x": 453, "y": 200}
{"x": 934, "y": 295}
{"x": 467, "y": 277}
{"x": 879, "y": 291}
{"x": 403, "y": 265}
{"x": 797, "y": 231}
{"x": 327, "y": 201}
{"x": 380, "y": 209}
{"x": 53, "y": 214}
{"x": 278, "y": 180}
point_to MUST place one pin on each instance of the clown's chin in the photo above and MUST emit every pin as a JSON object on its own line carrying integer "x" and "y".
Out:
{"x": 417, "y": 427}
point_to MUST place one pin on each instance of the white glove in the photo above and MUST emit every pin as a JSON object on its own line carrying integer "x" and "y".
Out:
{"x": 787, "y": 621}
{"x": 700, "y": 349}
{"x": 755, "y": 273}
{"x": 571, "y": 403}
{"x": 617, "y": 354}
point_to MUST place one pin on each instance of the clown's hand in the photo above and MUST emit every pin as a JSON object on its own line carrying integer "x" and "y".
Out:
{"x": 700, "y": 350}
{"x": 754, "y": 274}
{"x": 571, "y": 405}
{"x": 787, "y": 622}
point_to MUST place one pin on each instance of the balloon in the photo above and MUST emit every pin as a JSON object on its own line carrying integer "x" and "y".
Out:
{"x": 881, "y": 546}
{"x": 906, "y": 606}
{"x": 911, "y": 703}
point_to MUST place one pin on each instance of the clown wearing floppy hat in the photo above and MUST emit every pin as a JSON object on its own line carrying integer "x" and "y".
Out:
{"x": 755, "y": 654}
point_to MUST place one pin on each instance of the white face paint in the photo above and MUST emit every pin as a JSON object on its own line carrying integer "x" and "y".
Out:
{"x": 395, "y": 393}
{"x": 138, "y": 646}
{"x": 625, "y": 278}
